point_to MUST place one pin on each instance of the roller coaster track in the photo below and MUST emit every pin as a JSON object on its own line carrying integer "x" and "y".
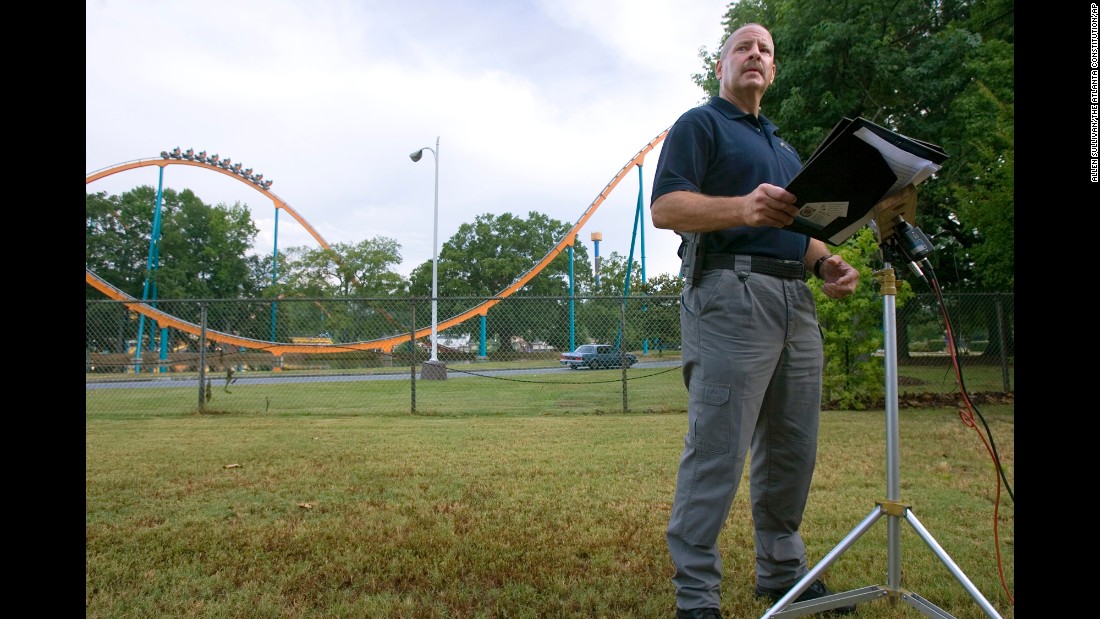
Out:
{"x": 386, "y": 344}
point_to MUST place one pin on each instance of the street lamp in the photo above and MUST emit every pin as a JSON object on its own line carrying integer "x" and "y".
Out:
{"x": 435, "y": 250}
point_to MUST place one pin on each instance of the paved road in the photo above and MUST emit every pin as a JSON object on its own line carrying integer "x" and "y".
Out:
{"x": 266, "y": 378}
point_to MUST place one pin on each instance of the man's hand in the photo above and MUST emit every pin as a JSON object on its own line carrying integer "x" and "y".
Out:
{"x": 769, "y": 205}
{"x": 840, "y": 277}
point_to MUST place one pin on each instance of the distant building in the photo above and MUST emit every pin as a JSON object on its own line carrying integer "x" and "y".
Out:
{"x": 461, "y": 344}
{"x": 522, "y": 345}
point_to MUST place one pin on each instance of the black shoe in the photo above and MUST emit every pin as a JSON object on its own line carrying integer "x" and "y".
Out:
{"x": 698, "y": 613}
{"x": 816, "y": 590}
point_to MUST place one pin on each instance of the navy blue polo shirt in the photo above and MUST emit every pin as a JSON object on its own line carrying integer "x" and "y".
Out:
{"x": 717, "y": 150}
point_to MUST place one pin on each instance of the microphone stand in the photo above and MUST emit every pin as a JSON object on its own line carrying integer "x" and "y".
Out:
{"x": 915, "y": 246}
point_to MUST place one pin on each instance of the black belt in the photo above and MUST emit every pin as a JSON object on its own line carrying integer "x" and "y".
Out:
{"x": 790, "y": 269}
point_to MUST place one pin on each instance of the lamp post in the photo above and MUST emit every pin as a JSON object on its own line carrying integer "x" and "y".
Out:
{"x": 434, "y": 369}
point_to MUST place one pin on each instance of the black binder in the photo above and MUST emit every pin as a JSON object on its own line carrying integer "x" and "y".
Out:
{"x": 855, "y": 167}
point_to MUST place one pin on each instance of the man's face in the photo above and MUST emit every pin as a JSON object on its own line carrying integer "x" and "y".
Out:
{"x": 748, "y": 68}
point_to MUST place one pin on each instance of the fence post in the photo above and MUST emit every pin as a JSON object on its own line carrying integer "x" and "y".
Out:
{"x": 622, "y": 351}
{"x": 1004, "y": 347}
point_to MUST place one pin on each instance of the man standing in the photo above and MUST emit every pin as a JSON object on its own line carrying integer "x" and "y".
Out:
{"x": 752, "y": 346}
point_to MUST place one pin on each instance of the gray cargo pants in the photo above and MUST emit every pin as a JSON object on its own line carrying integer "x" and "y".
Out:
{"x": 752, "y": 363}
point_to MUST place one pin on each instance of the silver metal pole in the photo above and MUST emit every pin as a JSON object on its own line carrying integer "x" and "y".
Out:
{"x": 893, "y": 484}
{"x": 435, "y": 259}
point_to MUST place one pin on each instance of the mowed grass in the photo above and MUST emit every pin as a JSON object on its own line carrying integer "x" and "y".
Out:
{"x": 471, "y": 389}
{"x": 506, "y": 499}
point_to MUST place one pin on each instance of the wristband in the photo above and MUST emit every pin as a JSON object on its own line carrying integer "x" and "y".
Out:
{"x": 817, "y": 265}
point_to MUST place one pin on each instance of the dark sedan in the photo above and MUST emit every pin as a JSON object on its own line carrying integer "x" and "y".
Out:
{"x": 597, "y": 356}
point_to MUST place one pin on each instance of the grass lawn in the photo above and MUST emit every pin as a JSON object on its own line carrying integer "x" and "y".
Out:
{"x": 518, "y": 500}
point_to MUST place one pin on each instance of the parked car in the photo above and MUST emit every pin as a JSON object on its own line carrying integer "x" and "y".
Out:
{"x": 597, "y": 356}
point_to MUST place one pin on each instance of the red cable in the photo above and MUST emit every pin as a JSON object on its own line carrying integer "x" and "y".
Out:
{"x": 967, "y": 417}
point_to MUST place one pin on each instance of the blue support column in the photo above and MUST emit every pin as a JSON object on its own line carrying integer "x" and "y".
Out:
{"x": 634, "y": 234}
{"x": 596, "y": 238}
{"x": 151, "y": 265}
{"x": 481, "y": 346}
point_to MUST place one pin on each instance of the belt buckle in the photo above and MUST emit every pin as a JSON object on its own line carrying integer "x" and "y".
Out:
{"x": 795, "y": 266}
{"x": 791, "y": 269}
{"x": 798, "y": 270}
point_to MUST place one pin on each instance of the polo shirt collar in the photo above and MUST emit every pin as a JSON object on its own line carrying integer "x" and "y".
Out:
{"x": 731, "y": 111}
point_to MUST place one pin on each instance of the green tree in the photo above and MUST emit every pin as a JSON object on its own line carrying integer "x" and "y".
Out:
{"x": 304, "y": 272}
{"x": 600, "y": 320}
{"x": 983, "y": 235}
{"x": 117, "y": 231}
{"x": 367, "y": 268}
{"x": 665, "y": 284}
{"x": 205, "y": 250}
{"x": 363, "y": 269}
{"x": 852, "y": 327}
{"x": 484, "y": 258}
{"x": 613, "y": 277}
{"x": 202, "y": 251}
{"x": 662, "y": 305}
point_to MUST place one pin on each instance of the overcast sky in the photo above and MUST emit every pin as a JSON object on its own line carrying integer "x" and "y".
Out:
{"x": 537, "y": 105}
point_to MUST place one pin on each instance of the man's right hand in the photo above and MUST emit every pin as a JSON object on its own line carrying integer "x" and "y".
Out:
{"x": 769, "y": 205}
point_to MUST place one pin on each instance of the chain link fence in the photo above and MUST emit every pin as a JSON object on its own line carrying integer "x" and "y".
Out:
{"x": 337, "y": 353}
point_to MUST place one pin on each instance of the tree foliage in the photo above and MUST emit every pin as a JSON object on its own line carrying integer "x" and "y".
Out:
{"x": 363, "y": 269}
{"x": 205, "y": 250}
{"x": 485, "y": 257}
{"x": 613, "y": 277}
{"x": 201, "y": 252}
{"x": 984, "y": 193}
{"x": 116, "y": 239}
{"x": 854, "y": 376}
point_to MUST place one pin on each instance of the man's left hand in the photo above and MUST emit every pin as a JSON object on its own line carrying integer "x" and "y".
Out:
{"x": 840, "y": 277}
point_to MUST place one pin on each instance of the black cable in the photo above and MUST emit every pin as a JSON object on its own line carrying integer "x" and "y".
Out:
{"x": 934, "y": 284}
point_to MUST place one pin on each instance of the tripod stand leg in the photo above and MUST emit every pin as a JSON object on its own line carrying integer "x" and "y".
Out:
{"x": 780, "y": 608}
{"x": 954, "y": 569}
